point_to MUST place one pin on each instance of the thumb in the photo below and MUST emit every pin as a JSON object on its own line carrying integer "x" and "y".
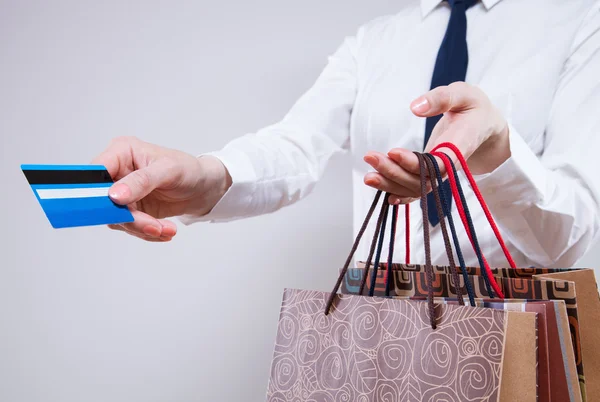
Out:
{"x": 456, "y": 97}
{"x": 142, "y": 182}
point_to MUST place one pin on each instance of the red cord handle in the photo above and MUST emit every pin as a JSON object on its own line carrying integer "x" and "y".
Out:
{"x": 407, "y": 219}
{"x": 475, "y": 188}
{"x": 462, "y": 214}
{"x": 463, "y": 218}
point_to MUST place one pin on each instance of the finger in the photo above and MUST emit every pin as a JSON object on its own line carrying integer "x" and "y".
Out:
{"x": 150, "y": 239}
{"x": 406, "y": 159}
{"x": 161, "y": 239}
{"x": 115, "y": 157}
{"x": 380, "y": 182}
{"x": 144, "y": 224}
{"x": 395, "y": 200}
{"x": 393, "y": 171}
{"x": 142, "y": 182}
{"x": 456, "y": 97}
{"x": 409, "y": 161}
{"x": 169, "y": 229}
{"x": 110, "y": 160}
{"x": 116, "y": 227}
{"x": 153, "y": 240}
{"x": 142, "y": 220}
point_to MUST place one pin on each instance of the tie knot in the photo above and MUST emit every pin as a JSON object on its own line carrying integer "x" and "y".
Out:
{"x": 467, "y": 3}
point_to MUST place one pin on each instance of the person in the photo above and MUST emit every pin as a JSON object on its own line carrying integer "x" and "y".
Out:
{"x": 525, "y": 112}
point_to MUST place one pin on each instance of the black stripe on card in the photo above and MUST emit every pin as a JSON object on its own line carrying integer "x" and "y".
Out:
{"x": 67, "y": 176}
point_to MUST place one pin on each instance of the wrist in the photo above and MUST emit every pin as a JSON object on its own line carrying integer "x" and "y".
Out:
{"x": 213, "y": 182}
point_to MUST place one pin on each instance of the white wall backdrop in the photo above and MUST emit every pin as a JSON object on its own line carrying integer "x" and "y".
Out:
{"x": 93, "y": 315}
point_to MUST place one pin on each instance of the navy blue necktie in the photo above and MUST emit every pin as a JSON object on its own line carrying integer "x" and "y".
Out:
{"x": 450, "y": 66}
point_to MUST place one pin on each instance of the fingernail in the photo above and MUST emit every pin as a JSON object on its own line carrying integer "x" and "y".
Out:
{"x": 372, "y": 160}
{"x": 372, "y": 181}
{"x": 420, "y": 105}
{"x": 395, "y": 155}
{"x": 168, "y": 231}
{"x": 153, "y": 231}
{"x": 118, "y": 191}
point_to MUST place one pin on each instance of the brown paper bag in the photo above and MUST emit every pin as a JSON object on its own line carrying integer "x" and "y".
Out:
{"x": 584, "y": 313}
{"x": 556, "y": 359}
{"x": 588, "y": 314}
{"x": 585, "y": 320}
{"x": 412, "y": 283}
{"x": 376, "y": 349}
{"x": 332, "y": 347}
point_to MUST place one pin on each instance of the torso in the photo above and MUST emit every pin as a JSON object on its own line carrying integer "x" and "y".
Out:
{"x": 517, "y": 52}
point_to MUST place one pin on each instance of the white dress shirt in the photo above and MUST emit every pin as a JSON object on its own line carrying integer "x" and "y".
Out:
{"x": 539, "y": 63}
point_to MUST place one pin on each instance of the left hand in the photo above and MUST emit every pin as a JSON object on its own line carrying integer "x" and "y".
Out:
{"x": 470, "y": 121}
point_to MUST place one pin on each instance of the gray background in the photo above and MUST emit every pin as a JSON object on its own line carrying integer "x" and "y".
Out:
{"x": 93, "y": 315}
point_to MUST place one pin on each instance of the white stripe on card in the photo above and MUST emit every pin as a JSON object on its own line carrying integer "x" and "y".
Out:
{"x": 60, "y": 193}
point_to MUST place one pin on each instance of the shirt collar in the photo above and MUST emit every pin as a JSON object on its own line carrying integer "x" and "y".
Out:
{"x": 428, "y": 6}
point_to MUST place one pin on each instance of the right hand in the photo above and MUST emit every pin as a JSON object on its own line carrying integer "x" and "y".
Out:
{"x": 158, "y": 183}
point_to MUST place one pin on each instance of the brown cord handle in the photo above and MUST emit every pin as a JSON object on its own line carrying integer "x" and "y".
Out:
{"x": 382, "y": 213}
{"x": 426, "y": 236}
{"x": 447, "y": 244}
{"x": 427, "y": 241}
{"x": 359, "y": 236}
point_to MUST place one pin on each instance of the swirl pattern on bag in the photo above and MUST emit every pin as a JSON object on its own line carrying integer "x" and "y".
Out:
{"x": 383, "y": 349}
{"x": 410, "y": 280}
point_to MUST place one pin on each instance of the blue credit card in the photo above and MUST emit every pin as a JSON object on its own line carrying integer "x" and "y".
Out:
{"x": 75, "y": 195}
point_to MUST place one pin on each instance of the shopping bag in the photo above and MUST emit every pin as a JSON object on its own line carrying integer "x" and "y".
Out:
{"x": 378, "y": 349}
{"x": 583, "y": 280}
{"x": 446, "y": 287}
{"x": 557, "y": 372}
{"x": 576, "y": 286}
{"x": 415, "y": 284}
{"x": 583, "y": 313}
{"x": 543, "y": 354}
{"x": 332, "y": 347}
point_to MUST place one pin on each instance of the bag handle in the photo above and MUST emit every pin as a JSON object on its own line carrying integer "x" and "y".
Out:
{"x": 361, "y": 232}
{"x": 436, "y": 184}
{"x": 388, "y": 279}
{"x": 427, "y": 241}
{"x": 407, "y": 232}
{"x": 359, "y": 236}
{"x": 385, "y": 210}
{"x": 482, "y": 202}
{"x": 389, "y": 274}
{"x": 363, "y": 281}
{"x": 492, "y": 286}
{"x": 440, "y": 210}
{"x": 448, "y": 214}
{"x": 377, "y": 240}
{"x": 440, "y": 202}
{"x": 390, "y": 262}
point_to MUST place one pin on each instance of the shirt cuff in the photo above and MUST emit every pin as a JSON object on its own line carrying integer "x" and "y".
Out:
{"x": 518, "y": 183}
{"x": 237, "y": 200}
